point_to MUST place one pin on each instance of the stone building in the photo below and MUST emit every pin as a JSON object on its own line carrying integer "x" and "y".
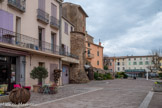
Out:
{"x": 77, "y": 16}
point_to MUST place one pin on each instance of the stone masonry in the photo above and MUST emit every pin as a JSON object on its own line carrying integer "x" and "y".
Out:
{"x": 76, "y": 15}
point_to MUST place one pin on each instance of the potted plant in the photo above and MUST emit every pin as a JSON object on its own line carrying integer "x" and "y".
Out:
{"x": 38, "y": 73}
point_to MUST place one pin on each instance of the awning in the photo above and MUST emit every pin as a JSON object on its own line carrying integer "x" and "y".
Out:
{"x": 12, "y": 52}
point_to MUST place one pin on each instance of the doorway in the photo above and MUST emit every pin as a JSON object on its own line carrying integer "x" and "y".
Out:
{"x": 8, "y": 71}
{"x": 65, "y": 74}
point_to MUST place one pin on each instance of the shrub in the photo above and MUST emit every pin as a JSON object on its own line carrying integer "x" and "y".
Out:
{"x": 160, "y": 75}
{"x": 39, "y": 73}
{"x": 99, "y": 76}
{"x": 121, "y": 75}
{"x": 105, "y": 67}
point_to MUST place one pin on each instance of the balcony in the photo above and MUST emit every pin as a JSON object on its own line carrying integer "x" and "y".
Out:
{"x": 23, "y": 41}
{"x": 42, "y": 16}
{"x": 54, "y": 22}
{"x": 69, "y": 54}
{"x": 90, "y": 56}
{"x": 18, "y": 4}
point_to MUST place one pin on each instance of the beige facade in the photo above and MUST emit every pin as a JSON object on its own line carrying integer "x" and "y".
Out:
{"x": 66, "y": 36}
{"x": 121, "y": 64}
{"x": 28, "y": 23}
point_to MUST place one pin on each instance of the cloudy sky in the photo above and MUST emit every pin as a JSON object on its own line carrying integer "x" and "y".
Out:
{"x": 125, "y": 27}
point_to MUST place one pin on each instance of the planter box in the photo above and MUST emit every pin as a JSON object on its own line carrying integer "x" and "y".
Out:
{"x": 157, "y": 88}
{"x": 4, "y": 99}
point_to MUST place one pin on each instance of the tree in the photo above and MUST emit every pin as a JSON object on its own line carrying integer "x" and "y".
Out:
{"x": 156, "y": 58}
{"x": 39, "y": 73}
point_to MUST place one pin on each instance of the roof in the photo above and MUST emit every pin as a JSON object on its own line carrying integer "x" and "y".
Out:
{"x": 95, "y": 44}
{"x": 123, "y": 57}
{"x": 79, "y": 7}
{"x": 68, "y": 21}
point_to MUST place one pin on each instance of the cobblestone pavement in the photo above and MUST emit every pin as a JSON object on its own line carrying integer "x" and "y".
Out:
{"x": 119, "y": 93}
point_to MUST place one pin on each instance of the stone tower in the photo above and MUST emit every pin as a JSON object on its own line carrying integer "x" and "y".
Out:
{"x": 77, "y": 16}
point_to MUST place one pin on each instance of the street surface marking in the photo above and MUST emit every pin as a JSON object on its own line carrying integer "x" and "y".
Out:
{"x": 67, "y": 97}
{"x": 147, "y": 100}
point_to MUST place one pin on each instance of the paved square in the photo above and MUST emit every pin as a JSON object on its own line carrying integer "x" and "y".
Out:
{"x": 119, "y": 93}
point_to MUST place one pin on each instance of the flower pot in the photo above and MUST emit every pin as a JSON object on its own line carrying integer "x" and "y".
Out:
{"x": 157, "y": 88}
{"x": 36, "y": 88}
{"x": 19, "y": 95}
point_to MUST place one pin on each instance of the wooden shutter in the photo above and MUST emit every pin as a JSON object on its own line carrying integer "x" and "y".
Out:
{"x": 41, "y": 4}
{"x": 6, "y": 20}
{"x": 54, "y": 10}
{"x": 52, "y": 68}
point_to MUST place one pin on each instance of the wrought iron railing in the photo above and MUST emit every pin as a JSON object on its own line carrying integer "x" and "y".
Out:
{"x": 42, "y": 15}
{"x": 69, "y": 54}
{"x": 18, "y": 4}
{"x": 54, "y": 22}
{"x": 24, "y": 41}
{"x": 17, "y": 39}
{"x": 90, "y": 55}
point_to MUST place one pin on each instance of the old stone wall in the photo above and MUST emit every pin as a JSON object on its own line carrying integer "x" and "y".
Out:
{"x": 73, "y": 13}
{"x": 77, "y": 71}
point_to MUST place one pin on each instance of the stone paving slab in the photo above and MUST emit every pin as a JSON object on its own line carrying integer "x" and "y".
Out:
{"x": 156, "y": 101}
{"x": 115, "y": 94}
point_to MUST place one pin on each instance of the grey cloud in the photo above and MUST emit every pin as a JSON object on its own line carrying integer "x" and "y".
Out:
{"x": 131, "y": 20}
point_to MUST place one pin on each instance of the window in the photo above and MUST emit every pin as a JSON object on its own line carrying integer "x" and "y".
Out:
{"x": 147, "y": 63}
{"x": 97, "y": 53}
{"x": 72, "y": 29}
{"x": 134, "y": 58}
{"x": 141, "y": 58}
{"x": 110, "y": 64}
{"x": 54, "y": 11}
{"x": 42, "y": 64}
{"x": 129, "y": 63}
{"x": 41, "y": 38}
{"x": 123, "y": 59}
{"x": 123, "y": 68}
{"x": 89, "y": 44}
{"x": 123, "y": 63}
{"x": 129, "y": 59}
{"x": 118, "y": 63}
{"x": 66, "y": 28}
{"x": 53, "y": 42}
{"x": 146, "y": 58}
{"x": 89, "y": 52}
{"x": 134, "y": 63}
{"x": 140, "y": 63}
{"x": 118, "y": 68}
{"x": 97, "y": 62}
{"x": 41, "y": 4}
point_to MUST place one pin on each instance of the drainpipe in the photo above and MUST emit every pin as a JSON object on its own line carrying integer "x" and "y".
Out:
{"x": 60, "y": 36}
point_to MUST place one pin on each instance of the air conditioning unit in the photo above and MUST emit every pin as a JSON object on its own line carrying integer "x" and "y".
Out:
{"x": 1, "y": 1}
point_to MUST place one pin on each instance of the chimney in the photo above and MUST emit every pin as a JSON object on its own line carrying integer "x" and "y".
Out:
{"x": 99, "y": 43}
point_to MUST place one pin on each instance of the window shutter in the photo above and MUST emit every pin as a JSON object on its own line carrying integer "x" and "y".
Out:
{"x": 41, "y": 4}
{"x": 54, "y": 10}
